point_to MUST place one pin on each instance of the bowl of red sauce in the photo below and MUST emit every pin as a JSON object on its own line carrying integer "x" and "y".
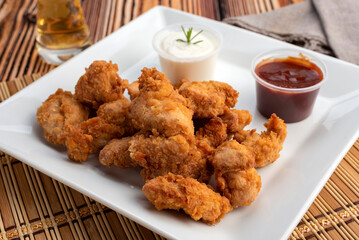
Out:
{"x": 287, "y": 83}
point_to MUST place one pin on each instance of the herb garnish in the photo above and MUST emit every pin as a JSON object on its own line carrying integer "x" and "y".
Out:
{"x": 188, "y": 35}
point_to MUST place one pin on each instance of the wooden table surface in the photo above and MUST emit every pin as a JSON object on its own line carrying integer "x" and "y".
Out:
{"x": 333, "y": 215}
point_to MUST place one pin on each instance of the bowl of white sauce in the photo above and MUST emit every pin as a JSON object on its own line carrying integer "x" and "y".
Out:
{"x": 187, "y": 51}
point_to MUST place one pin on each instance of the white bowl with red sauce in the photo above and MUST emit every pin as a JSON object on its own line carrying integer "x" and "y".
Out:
{"x": 287, "y": 83}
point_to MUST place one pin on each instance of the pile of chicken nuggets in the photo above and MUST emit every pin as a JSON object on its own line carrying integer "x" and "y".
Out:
{"x": 180, "y": 136}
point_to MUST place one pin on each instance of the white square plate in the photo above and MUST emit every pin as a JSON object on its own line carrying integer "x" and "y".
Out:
{"x": 312, "y": 150}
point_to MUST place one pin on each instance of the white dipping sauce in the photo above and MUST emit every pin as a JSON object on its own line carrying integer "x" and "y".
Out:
{"x": 179, "y": 60}
{"x": 171, "y": 46}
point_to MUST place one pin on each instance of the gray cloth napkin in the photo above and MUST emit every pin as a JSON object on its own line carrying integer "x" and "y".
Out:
{"x": 326, "y": 26}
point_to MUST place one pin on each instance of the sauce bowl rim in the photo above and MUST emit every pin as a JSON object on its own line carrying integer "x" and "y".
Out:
{"x": 286, "y": 52}
{"x": 217, "y": 37}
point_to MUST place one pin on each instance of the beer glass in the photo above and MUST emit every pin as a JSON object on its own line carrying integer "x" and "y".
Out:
{"x": 62, "y": 31}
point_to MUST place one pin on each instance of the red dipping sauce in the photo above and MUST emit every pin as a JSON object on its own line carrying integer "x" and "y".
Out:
{"x": 287, "y": 86}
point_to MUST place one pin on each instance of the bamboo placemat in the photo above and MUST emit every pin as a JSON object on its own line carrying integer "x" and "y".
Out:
{"x": 34, "y": 206}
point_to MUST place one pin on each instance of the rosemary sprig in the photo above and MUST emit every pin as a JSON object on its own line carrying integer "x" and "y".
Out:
{"x": 188, "y": 35}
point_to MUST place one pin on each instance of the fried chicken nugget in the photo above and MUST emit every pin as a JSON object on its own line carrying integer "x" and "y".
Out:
{"x": 117, "y": 113}
{"x": 57, "y": 113}
{"x": 232, "y": 156}
{"x": 100, "y": 84}
{"x": 208, "y": 138}
{"x": 209, "y": 99}
{"x": 276, "y": 125}
{"x": 214, "y": 132}
{"x": 267, "y": 145}
{"x": 89, "y": 137}
{"x": 235, "y": 175}
{"x": 133, "y": 90}
{"x": 159, "y": 155}
{"x": 116, "y": 152}
{"x": 236, "y": 119}
{"x": 159, "y": 107}
{"x": 240, "y": 187}
{"x": 195, "y": 198}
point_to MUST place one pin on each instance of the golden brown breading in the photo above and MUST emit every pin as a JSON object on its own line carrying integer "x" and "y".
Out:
{"x": 133, "y": 90}
{"x": 276, "y": 125}
{"x": 159, "y": 155}
{"x": 57, "y": 113}
{"x": 178, "y": 84}
{"x": 101, "y": 131}
{"x": 112, "y": 121}
{"x": 214, "y": 132}
{"x": 240, "y": 187}
{"x": 268, "y": 144}
{"x": 89, "y": 137}
{"x": 208, "y": 138}
{"x": 100, "y": 84}
{"x": 117, "y": 113}
{"x": 159, "y": 107}
{"x": 196, "y": 199}
{"x": 232, "y": 165}
{"x": 232, "y": 156}
{"x": 116, "y": 152}
{"x": 236, "y": 119}
{"x": 209, "y": 99}
{"x": 79, "y": 145}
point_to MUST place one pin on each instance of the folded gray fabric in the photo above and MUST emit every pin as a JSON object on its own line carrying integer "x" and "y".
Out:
{"x": 326, "y": 26}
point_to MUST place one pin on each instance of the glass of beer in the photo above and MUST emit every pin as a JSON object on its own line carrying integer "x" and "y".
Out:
{"x": 62, "y": 31}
